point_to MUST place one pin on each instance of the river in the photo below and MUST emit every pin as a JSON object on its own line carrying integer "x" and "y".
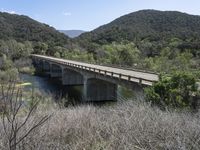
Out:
{"x": 54, "y": 87}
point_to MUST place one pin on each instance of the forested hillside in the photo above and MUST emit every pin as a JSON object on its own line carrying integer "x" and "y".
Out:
{"x": 17, "y": 32}
{"x": 151, "y": 30}
{"x": 23, "y": 28}
{"x": 151, "y": 24}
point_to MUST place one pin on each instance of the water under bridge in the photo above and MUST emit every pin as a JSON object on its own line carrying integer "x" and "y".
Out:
{"x": 99, "y": 82}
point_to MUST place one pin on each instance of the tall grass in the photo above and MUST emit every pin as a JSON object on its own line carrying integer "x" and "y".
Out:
{"x": 126, "y": 125}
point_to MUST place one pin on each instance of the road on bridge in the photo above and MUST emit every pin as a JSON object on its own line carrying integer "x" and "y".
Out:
{"x": 146, "y": 77}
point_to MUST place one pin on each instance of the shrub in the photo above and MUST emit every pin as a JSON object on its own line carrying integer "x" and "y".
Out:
{"x": 5, "y": 63}
{"x": 176, "y": 90}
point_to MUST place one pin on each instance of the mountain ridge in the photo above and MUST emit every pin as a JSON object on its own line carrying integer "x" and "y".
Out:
{"x": 24, "y": 28}
{"x": 146, "y": 23}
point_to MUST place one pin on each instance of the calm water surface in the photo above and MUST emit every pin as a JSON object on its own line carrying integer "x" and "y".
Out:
{"x": 54, "y": 87}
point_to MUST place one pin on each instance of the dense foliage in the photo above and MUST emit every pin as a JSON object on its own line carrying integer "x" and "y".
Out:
{"x": 176, "y": 91}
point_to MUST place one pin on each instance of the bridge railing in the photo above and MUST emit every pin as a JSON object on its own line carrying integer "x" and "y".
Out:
{"x": 128, "y": 68}
{"x": 104, "y": 72}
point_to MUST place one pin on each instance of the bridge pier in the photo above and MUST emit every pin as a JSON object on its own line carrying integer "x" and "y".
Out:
{"x": 99, "y": 90}
{"x": 47, "y": 68}
{"x": 56, "y": 71}
{"x": 70, "y": 77}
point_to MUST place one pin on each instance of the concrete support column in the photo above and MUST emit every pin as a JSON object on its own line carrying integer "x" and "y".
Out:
{"x": 99, "y": 90}
{"x": 46, "y": 66}
{"x": 56, "y": 71}
{"x": 70, "y": 77}
{"x": 85, "y": 89}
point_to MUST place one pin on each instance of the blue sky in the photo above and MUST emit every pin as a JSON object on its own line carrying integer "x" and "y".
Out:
{"x": 89, "y": 14}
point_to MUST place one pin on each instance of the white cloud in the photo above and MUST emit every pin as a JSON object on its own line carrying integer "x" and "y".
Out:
{"x": 9, "y": 11}
{"x": 67, "y": 14}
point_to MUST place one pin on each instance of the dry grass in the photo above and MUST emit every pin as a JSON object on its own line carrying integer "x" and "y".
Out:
{"x": 124, "y": 126}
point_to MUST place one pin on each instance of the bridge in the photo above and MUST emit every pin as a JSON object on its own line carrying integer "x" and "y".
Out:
{"x": 99, "y": 82}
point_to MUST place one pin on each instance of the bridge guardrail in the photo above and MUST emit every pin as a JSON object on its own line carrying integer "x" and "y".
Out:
{"x": 103, "y": 72}
{"x": 129, "y": 68}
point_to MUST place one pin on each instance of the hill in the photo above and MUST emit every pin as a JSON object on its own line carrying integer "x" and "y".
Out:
{"x": 151, "y": 25}
{"x": 146, "y": 23}
{"x": 72, "y": 33}
{"x": 22, "y": 28}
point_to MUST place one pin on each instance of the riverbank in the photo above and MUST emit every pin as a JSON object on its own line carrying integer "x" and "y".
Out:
{"x": 27, "y": 70}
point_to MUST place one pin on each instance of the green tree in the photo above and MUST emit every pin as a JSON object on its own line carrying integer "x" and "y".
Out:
{"x": 175, "y": 91}
{"x": 128, "y": 54}
{"x": 120, "y": 54}
{"x": 40, "y": 48}
{"x": 3, "y": 48}
{"x": 5, "y": 63}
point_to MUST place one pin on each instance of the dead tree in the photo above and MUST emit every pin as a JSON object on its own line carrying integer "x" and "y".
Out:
{"x": 14, "y": 122}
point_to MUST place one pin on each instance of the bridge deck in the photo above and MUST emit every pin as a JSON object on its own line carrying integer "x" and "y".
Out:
{"x": 130, "y": 75}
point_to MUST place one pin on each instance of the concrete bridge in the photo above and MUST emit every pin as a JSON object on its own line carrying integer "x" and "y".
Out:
{"x": 100, "y": 83}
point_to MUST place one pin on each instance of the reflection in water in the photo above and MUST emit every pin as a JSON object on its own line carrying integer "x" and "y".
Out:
{"x": 52, "y": 86}
{"x": 74, "y": 93}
